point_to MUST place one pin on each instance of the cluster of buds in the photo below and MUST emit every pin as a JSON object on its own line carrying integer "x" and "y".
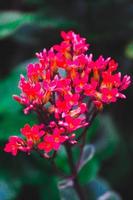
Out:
{"x": 61, "y": 88}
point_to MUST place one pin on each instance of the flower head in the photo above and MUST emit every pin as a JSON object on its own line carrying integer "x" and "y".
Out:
{"x": 16, "y": 144}
{"x": 33, "y": 134}
{"x": 61, "y": 88}
{"x": 52, "y": 141}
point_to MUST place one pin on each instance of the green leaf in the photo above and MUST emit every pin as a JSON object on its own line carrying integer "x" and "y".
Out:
{"x": 89, "y": 171}
{"x": 7, "y": 190}
{"x": 108, "y": 139}
{"x": 62, "y": 161}
{"x": 67, "y": 190}
{"x": 87, "y": 155}
{"x": 92, "y": 130}
{"x": 129, "y": 50}
{"x": 100, "y": 189}
{"x": 10, "y": 22}
{"x": 49, "y": 190}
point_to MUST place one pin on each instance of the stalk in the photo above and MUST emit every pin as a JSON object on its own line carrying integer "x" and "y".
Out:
{"x": 73, "y": 168}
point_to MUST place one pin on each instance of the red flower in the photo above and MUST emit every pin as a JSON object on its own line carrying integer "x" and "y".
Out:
{"x": 80, "y": 83}
{"x": 35, "y": 71}
{"x": 52, "y": 141}
{"x": 33, "y": 134}
{"x": 15, "y": 144}
{"x": 72, "y": 124}
{"x": 79, "y": 44}
{"x": 109, "y": 95}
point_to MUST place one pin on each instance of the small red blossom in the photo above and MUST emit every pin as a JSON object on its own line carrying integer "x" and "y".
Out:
{"x": 79, "y": 44}
{"x": 109, "y": 95}
{"x": 81, "y": 109}
{"x": 80, "y": 83}
{"x": 52, "y": 141}
{"x": 33, "y": 134}
{"x": 126, "y": 81}
{"x": 35, "y": 71}
{"x": 64, "y": 106}
{"x": 16, "y": 144}
{"x": 90, "y": 89}
{"x": 73, "y": 124}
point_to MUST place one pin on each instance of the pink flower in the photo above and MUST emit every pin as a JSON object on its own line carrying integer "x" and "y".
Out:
{"x": 126, "y": 81}
{"x": 79, "y": 44}
{"x": 109, "y": 95}
{"x": 73, "y": 124}
{"x": 52, "y": 141}
{"x": 91, "y": 88}
{"x": 72, "y": 99}
{"x": 35, "y": 71}
{"x": 15, "y": 144}
{"x": 80, "y": 83}
{"x": 33, "y": 134}
{"x": 31, "y": 92}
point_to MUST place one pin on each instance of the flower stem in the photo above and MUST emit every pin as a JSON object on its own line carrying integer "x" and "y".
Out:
{"x": 73, "y": 168}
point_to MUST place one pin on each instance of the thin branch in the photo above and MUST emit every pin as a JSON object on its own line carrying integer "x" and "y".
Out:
{"x": 74, "y": 173}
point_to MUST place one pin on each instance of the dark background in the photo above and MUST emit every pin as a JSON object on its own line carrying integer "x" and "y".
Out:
{"x": 26, "y": 27}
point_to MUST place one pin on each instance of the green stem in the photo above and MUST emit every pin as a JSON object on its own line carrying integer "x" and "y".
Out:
{"x": 82, "y": 145}
{"x": 77, "y": 185}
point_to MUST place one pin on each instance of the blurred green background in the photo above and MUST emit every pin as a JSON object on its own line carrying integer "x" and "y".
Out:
{"x": 26, "y": 27}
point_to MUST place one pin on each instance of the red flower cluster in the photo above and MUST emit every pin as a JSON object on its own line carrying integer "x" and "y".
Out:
{"x": 33, "y": 140}
{"x": 59, "y": 87}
